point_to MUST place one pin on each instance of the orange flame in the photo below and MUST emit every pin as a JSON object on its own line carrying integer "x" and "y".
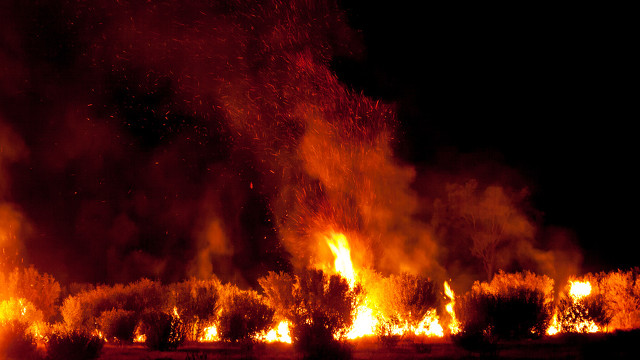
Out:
{"x": 454, "y": 325}
{"x": 280, "y": 333}
{"x": 209, "y": 334}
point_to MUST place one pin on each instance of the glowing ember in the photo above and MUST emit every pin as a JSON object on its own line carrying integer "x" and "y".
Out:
{"x": 579, "y": 290}
{"x": 454, "y": 325}
{"x": 209, "y": 334}
{"x": 279, "y": 334}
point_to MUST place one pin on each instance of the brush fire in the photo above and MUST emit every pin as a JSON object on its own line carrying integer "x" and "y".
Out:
{"x": 197, "y": 175}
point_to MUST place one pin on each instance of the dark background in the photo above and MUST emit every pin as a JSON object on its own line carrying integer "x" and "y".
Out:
{"x": 546, "y": 88}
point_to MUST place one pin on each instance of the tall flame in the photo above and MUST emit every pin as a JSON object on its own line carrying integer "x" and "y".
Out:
{"x": 339, "y": 246}
{"x": 454, "y": 325}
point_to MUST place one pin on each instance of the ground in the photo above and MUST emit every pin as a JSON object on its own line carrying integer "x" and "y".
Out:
{"x": 598, "y": 346}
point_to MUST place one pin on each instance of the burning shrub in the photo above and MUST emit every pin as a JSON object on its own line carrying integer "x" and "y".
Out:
{"x": 16, "y": 342}
{"x": 278, "y": 289}
{"x": 196, "y": 302}
{"x": 118, "y": 324}
{"x": 512, "y": 306}
{"x": 41, "y": 290}
{"x": 162, "y": 331}
{"x": 323, "y": 312}
{"x": 74, "y": 345}
{"x": 582, "y": 310}
{"x": 244, "y": 315}
{"x": 82, "y": 310}
{"x": 20, "y": 310}
{"x": 405, "y": 300}
{"x": 621, "y": 292}
{"x": 320, "y": 308}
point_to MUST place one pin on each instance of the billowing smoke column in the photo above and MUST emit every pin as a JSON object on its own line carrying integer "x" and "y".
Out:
{"x": 169, "y": 139}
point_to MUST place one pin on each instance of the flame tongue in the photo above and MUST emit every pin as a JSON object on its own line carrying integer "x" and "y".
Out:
{"x": 340, "y": 248}
{"x": 454, "y": 326}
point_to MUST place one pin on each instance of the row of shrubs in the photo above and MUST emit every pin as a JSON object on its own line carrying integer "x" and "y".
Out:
{"x": 320, "y": 307}
{"x": 17, "y": 342}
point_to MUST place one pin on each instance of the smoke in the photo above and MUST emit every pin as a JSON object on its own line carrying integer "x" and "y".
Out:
{"x": 173, "y": 139}
{"x": 13, "y": 226}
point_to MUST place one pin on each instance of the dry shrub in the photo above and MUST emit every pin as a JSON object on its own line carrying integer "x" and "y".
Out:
{"x": 163, "y": 332}
{"x": 82, "y": 310}
{"x": 41, "y": 290}
{"x": 578, "y": 315}
{"x": 319, "y": 308}
{"x": 620, "y": 291}
{"x": 244, "y": 314}
{"x": 118, "y": 324}
{"x": 196, "y": 302}
{"x": 405, "y": 299}
{"x": 74, "y": 345}
{"x": 511, "y": 306}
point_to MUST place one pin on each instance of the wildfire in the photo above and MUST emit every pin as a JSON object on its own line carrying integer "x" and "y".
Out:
{"x": 279, "y": 334}
{"x": 340, "y": 248}
{"x": 554, "y": 328}
{"x": 430, "y": 326}
{"x": 579, "y": 290}
{"x": 365, "y": 321}
{"x": 209, "y": 334}
{"x": 454, "y": 325}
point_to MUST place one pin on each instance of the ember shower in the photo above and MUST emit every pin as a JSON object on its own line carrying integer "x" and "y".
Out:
{"x": 174, "y": 139}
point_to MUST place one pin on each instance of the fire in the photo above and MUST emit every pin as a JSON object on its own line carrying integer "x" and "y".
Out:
{"x": 340, "y": 248}
{"x": 138, "y": 336}
{"x": 365, "y": 321}
{"x": 209, "y": 334}
{"x": 454, "y": 325}
{"x": 279, "y": 334}
{"x": 430, "y": 326}
{"x": 554, "y": 328}
{"x": 579, "y": 290}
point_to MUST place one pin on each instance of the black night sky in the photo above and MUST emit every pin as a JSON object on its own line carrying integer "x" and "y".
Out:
{"x": 546, "y": 89}
{"x": 98, "y": 103}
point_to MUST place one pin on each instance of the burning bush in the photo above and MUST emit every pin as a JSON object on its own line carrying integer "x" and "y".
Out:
{"x": 621, "y": 292}
{"x": 244, "y": 315}
{"x": 511, "y": 306}
{"x": 196, "y": 302}
{"x": 319, "y": 307}
{"x": 324, "y": 311}
{"x": 16, "y": 342}
{"x": 118, "y": 324}
{"x": 404, "y": 300}
{"x": 582, "y": 310}
{"x": 41, "y": 290}
{"x": 162, "y": 331}
{"x": 82, "y": 310}
{"x": 74, "y": 345}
